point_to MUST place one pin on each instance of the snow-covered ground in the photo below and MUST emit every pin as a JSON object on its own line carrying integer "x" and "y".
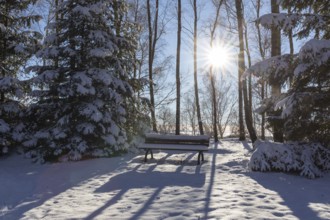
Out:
{"x": 169, "y": 187}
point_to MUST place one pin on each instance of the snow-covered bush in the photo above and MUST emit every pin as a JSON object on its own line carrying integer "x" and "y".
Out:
{"x": 308, "y": 160}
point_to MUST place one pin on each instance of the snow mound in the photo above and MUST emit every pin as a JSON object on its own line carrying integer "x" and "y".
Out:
{"x": 308, "y": 159}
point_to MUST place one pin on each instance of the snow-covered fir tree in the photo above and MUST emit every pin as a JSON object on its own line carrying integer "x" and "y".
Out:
{"x": 81, "y": 88}
{"x": 306, "y": 104}
{"x": 17, "y": 44}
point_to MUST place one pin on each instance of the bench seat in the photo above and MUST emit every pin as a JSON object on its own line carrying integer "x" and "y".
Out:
{"x": 176, "y": 147}
{"x": 198, "y": 143}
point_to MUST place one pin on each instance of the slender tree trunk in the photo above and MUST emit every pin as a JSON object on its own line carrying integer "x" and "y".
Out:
{"x": 276, "y": 87}
{"x": 247, "y": 49}
{"x": 248, "y": 115}
{"x": 117, "y": 17}
{"x": 214, "y": 104}
{"x": 290, "y": 36}
{"x": 178, "y": 84}
{"x": 241, "y": 69}
{"x": 238, "y": 4}
{"x": 199, "y": 117}
{"x": 57, "y": 29}
{"x": 152, "y": 43}
{"x": 262, "y": 54}
{"x": 135, "y": 68}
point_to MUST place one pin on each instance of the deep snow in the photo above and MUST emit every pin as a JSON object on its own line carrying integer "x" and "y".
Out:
{"x": 169, "y": 187}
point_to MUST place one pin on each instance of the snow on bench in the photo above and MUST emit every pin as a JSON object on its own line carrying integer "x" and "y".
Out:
{"x": 198, "y": 143}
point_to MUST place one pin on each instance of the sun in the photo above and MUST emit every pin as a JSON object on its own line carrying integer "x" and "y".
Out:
{"x": 218, "y": 56}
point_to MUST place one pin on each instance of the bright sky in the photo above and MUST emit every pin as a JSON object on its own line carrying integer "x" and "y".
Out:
{"x": 222, "y": 55}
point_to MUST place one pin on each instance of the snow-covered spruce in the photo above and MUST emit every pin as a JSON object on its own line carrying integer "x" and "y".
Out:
{"x": 17, "y": 44}
{"x": 81, "y": 88}
{"x": 308, "y": 159}
{"x": 305, "y": 105}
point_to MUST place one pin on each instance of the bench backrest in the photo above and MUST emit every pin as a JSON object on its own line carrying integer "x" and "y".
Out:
{"x": 177, "y": 139}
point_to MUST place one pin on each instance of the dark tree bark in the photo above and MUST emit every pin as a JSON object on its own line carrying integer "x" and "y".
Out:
{"x": 214, "y": 106}
{"x": 247, "y": 49}
{"x": 241, "y": 69}
{"x": 214, "y": 99}
{"x": 238, "y": 4}
{"x": 290, "y": 36}
{"x": 178, "y": 83}
{"x": 152, "y": 45}
{"x": 276, "y": 87}
{"x": 199, "y": 117}
{"x": 262, "y": 54}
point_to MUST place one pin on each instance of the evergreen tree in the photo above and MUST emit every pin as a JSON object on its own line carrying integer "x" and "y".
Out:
{"x": 17, "y": 44}
{"x": 82, "y": 87}
{"x": 306, "y": 104}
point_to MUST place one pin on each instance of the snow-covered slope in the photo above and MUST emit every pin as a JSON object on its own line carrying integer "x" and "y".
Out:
{"x": 169, "y": 187}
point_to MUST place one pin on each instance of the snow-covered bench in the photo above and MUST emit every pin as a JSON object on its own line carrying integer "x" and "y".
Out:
{"x": 198, "y": 143}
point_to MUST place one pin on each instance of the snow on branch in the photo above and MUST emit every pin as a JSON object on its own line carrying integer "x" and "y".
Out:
{"x": 305, "y": 22}
{"x": 314, "y": 54}
{"x": 274, "y": 69}
{"x": 279, "y": 20}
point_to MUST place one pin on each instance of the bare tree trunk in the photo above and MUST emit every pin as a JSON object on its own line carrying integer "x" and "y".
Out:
{"x": 276, "y": 87}
{"x": 247, "y": 49}
{"x": 238, "y": 4}
{"x": 178, "y": 84}
{"x": 135, "y": 68}
{"x": 57, "y": 29}
{"x": 199, "y": 117}
{"x": 152, "y": 44}
{"x": 290, "y": 36}
{"x": 248, "y": 115}
{"x": 118, "y": 18}
{"x": 262, "y": 54}
{"x": 241, "y": 69}
{"x": 214, "y": 104}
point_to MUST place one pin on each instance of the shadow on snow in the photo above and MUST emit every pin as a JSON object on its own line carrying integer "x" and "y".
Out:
{"x": 135, "y": 179}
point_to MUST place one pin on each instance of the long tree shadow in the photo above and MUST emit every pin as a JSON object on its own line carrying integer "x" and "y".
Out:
{"x": 248, "y": 146}
{"x": 34, "y": 184}
{"x": 299, "y": 194}
{"x": 136, "y": 179}
{"x": 213, "y": 167}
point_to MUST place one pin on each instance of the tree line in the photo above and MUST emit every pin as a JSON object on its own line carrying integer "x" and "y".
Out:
{"x": 97, "y": 76}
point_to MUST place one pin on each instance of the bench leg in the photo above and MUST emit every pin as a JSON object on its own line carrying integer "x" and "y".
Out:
{"x": 200, "y": 154}
{"x": 146, "y": 155}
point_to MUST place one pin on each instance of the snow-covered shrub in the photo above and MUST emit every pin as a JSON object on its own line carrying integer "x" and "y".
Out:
{"x": 307, "y": 159}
